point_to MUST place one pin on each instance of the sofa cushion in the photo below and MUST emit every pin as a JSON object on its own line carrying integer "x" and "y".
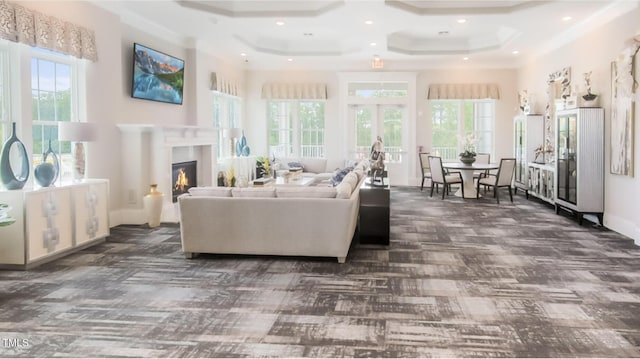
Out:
{"x": 306, "y": 192}
{"x": 315, "y": 165}
{"x": 343, "y": 190}
{"x": 352, "y": 178}
{"x": 210, "y": 191}
{"x": 254, "y": 192}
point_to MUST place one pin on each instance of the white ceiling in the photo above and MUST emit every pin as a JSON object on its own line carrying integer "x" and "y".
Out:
{"x": 332, "y": 34}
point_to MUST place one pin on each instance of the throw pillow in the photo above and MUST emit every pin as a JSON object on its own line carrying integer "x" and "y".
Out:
{"x": 210, "y": 191}
{"x": 352, "y": 178}
{"x": 339, "y": 175}
{"x": 294, "y": 165}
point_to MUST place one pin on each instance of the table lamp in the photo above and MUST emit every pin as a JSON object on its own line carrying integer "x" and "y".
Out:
{"x": 232, "y": 134}
{"x": 77, "y": 133}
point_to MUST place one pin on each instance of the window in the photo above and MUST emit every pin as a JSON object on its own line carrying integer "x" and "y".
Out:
{"x": 54, "y": 98}
{"x": 296, "y": 128}
{"x": 226, "y": 115}
{"x": 454, "y": 119}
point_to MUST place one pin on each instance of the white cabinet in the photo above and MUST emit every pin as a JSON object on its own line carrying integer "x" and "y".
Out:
{"x": 541, "y": 181}
{"x": 580, "y": 161}
{"x": 529, "y": 134}
{"x": 53, "y": 221}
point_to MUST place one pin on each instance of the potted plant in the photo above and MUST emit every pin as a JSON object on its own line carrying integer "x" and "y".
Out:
{"x": 468, "y": 155}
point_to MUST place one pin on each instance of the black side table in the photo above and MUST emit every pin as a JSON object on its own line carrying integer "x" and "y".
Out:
{"x": 374, "y": 213}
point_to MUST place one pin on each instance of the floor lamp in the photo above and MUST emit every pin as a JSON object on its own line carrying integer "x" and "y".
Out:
{"x": 78, "y": 133}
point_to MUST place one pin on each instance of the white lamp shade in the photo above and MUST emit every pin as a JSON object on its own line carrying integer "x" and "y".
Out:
{"x": 232, "y": 132}
{"x": 77, "y": 131}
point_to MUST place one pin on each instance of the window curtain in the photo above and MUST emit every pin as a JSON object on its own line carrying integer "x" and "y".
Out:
{"x": 463, "y": 92}
{"x": 290, "y": 91}
{"x": 32, "y": 28}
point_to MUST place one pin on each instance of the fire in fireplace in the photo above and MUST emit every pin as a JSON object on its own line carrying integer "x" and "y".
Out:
{"x": 183, "y": 177}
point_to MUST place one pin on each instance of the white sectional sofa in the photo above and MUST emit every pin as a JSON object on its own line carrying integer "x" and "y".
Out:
{"x": 292, "y": 221}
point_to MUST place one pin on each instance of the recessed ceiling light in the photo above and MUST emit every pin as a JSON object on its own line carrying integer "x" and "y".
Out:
{"x": 243, "y": 54}
{"x": 567, "y": 18}
{"x": 369, "y": 22}
{"x": 462, "y": 21}
{"x": 290, "y": 59}
{"x": 279, "y": 23}
{"x": 372, "y": 44}
{"x": 515, "y": 52}
{"x": 465, "y": 58}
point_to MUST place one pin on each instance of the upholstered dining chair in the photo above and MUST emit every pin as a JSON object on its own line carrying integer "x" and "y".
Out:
{"x": 425, "y": 168}
{"x": 438, "y": 176}
{"x": 503, "y": 178}
{"x": 482, "y": 158}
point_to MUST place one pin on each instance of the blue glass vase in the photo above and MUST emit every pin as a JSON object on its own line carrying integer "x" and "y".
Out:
{"x": 10, "y": 179}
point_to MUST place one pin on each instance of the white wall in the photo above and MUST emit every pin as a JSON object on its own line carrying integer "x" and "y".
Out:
{"x": 594, "y": 52}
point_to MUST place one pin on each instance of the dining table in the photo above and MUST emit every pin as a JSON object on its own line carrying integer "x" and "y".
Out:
{"x": 466, "y": 170}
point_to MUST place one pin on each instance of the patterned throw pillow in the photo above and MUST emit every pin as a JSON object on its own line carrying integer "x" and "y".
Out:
{"x": 295, "y": 165}
{"x": 339, "y": 175}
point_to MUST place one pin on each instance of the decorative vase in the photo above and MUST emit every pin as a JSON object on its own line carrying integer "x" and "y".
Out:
{"x": 45, "y": 174}
{"x": 467, "y": 160}
{"x": 153, "y": 205}
{"x": 56, "y": 161}
{"x": 10, "y": 179}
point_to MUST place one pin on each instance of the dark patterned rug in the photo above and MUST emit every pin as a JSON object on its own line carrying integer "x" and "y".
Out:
{"x": 461, "y": 278}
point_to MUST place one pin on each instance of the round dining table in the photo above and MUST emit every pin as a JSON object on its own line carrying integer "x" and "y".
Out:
{"x": 467, "y": 175}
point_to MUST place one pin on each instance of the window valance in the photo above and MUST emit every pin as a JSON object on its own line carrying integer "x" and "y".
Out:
{"x": 225, "y": 85}
{"x": 32, "y": 28}
{"x": 294, "y": 91}
{"x": 463, "y": 91}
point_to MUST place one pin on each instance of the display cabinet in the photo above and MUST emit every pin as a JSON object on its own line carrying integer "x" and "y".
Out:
{"x": 53, "y": 221}
{"x": 580, "y": 161}
{"x": 529, "y": 134}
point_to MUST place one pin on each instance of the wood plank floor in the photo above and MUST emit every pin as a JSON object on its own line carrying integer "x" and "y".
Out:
{"x": 461, "y": 278}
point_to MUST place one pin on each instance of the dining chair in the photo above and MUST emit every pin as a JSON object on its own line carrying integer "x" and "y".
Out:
{"x": 482, "y": 158}
{"x": 503, "y": 178}
{"x": 425, "y": 168}
{"x": 438, "y": 176}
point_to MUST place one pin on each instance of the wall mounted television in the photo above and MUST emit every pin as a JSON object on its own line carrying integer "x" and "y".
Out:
{"x": 156, "y": 75}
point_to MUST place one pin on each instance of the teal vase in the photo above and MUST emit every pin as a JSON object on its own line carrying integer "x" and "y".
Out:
{"x": 10, "y": 179}
{"x": 56, "y": 161}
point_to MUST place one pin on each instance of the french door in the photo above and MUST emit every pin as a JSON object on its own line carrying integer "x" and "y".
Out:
{"x": 389, "y": 121}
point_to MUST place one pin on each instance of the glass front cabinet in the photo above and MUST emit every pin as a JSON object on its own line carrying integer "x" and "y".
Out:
{"x": 580, "y": 161}
{"x": 528, "y": 131}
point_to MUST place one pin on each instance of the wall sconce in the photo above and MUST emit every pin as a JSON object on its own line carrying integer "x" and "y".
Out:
{"x": 77, "y": 133}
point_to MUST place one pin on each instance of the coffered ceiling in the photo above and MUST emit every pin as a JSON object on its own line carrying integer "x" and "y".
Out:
{"x": 347, "y": 34}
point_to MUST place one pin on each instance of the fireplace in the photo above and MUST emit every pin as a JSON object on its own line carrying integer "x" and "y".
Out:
{"x": 183, "y": 177}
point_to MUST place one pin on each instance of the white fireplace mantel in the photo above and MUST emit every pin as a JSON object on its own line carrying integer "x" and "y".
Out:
{"x": 148, "y": 152}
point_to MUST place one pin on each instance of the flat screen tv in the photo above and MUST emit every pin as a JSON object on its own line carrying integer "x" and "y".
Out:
{"x": 156, "y": 75}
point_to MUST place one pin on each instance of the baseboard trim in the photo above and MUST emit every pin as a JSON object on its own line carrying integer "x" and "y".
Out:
{"x": 623, "y": 226}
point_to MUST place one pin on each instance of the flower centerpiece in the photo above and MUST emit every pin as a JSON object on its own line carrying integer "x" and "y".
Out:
{"x": 468, "y": 155}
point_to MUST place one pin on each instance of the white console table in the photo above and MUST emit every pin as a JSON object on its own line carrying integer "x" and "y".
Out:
{"x": 52, "y": 222}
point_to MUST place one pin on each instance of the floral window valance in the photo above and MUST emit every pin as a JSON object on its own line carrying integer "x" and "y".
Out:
{"x": 463, "y": 92}
{"x": 30, "y": 27}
